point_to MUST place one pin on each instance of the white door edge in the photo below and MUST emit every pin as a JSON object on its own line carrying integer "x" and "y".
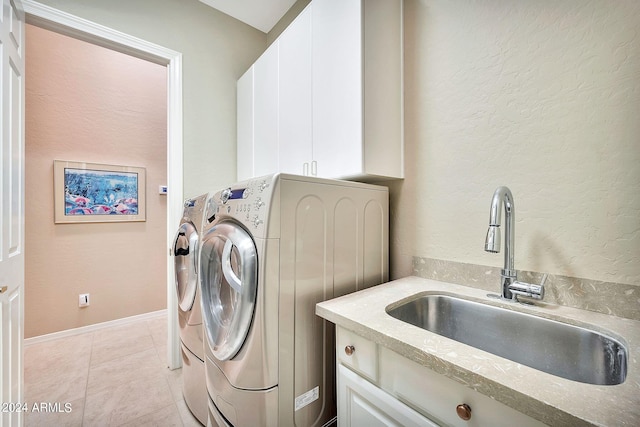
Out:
{"x": 12, "y": 247}
{"x": 65, "y": 23}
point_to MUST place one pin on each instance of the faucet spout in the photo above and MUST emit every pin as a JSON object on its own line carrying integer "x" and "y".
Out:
{"x": 502, "y": 197}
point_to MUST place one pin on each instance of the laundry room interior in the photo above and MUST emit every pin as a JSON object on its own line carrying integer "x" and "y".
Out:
{"x": 338, "y": 162}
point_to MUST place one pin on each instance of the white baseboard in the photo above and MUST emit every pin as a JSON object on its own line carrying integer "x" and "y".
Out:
{"x": 94, "y": 327}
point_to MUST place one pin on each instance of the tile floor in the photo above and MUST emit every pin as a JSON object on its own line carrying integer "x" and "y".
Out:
{"x": 115, "y": 376}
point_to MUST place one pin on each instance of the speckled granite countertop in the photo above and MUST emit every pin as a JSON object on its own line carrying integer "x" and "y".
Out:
{"x": 548, "y": 398}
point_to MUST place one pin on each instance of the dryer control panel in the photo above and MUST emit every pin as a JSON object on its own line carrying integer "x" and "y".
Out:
{"x": 246, "y": 202}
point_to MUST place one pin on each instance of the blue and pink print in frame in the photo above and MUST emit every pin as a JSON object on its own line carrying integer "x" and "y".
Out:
{"x": 89, "y": 192}
{"x": 92, "y": 192}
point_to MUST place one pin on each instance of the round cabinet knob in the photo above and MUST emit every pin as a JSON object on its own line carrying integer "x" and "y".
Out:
{"x": 349, "y": 350}
{"x": 464, "y": 411}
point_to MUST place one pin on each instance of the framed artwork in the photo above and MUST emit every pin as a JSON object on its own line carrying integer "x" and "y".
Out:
{"x": 91, "y": 192}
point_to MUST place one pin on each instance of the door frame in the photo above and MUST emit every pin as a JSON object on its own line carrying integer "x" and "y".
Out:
{"x": 64, "y": 23}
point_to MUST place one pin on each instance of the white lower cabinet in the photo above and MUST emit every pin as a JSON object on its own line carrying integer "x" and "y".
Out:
{"x": 379, "y": 387}
{"x": 361, "y": 403}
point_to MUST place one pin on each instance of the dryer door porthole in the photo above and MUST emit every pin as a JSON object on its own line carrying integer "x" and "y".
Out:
{"x": 185, "y": 249}
{"x": 229, "y": 274}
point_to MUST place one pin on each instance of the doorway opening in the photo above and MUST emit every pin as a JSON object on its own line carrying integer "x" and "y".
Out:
{"x": 59, "y": 22}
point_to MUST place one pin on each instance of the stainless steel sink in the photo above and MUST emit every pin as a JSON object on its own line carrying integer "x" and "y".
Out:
{"x": 561, "y": 349}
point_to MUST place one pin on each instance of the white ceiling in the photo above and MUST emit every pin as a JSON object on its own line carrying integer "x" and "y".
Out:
{"x": 260, "y": 14}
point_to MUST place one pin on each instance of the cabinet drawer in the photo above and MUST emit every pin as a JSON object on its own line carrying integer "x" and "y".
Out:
{"x": 437, "y": 396}
{"x": 363, "y": 357}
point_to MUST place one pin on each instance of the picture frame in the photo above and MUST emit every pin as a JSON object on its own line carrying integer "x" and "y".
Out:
{"x": 92, "y": 192}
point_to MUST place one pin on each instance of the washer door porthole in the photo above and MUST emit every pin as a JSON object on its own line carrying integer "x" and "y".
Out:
{"x": 229, "y": 275}
{"x": 185, "y": 250}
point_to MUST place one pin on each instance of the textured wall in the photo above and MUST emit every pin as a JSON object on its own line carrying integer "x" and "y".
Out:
{"x": 541, "y": 96}
{"x": 216, "y": 49}
{"x": 90, "y": 104}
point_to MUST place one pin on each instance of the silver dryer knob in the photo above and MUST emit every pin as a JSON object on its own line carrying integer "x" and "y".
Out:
{"x": 226, "y": 193}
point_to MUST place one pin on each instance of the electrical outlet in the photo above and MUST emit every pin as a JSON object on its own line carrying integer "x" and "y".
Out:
{"x": 83, "y": 300}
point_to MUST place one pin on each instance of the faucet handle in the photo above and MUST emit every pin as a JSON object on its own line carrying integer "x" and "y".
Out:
{"x": 528, "y": 290}
{"x": 544, "y": 279}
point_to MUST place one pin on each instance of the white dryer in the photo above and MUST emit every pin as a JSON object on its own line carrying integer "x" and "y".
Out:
{"x": 272, "y": 248}
{"x": 185, "y": 255}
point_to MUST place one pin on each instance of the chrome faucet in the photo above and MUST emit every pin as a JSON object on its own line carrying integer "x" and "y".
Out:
{"x": 510, "y": 286}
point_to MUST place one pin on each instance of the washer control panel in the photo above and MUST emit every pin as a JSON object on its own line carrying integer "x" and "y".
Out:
{"x": 245, "y": 201}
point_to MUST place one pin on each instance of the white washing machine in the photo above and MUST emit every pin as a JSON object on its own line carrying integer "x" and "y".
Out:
{"x": 185, "y": 254}
{"x": 272, "y": 248}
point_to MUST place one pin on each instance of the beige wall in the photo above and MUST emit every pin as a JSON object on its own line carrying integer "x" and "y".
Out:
{"x": 86, "y": 103}
{"x": 541, "y": 96}
{"x": 216, "y": 49}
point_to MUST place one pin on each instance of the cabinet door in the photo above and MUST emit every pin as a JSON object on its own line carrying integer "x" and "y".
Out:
{"x": 294, "y": 119}
{"x": 337, "y": 87}
{"x": 245, "y": 126}
{"x": 361, "y": 403}
{"x": 265, "y": 110}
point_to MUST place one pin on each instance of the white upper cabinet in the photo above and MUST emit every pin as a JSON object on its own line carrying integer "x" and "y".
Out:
{"x": 245, "y": 125}
{"x": 295, "y": 119}
{"x": 337, "y": 87}
{"x": 334, "y": 106}
{"x": 265, "y": 112}
{"x": 357, "y": 88}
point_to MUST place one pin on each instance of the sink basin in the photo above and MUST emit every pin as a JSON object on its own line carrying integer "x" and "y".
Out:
{"x": 560, "y": 349}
